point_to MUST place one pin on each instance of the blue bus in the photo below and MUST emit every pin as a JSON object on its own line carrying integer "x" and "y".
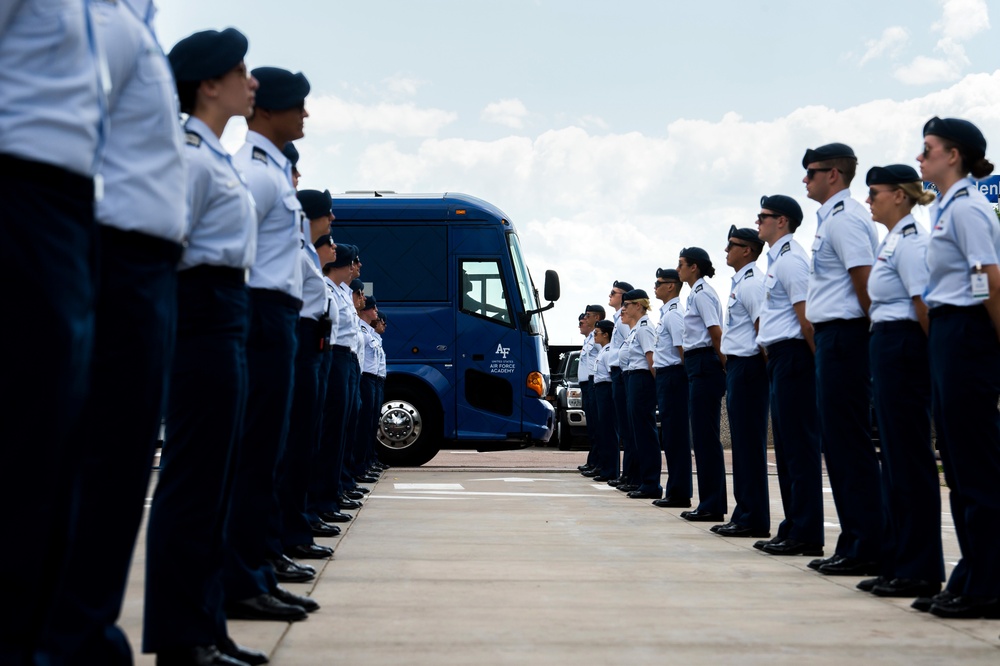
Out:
{"x": 465, "y": 341}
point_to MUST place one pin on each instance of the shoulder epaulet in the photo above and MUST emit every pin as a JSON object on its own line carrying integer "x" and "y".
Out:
{"x": 910, "y": 229}
{"x": 192, "y": 138}
{"x": 699, "y": 288}
{"x": 839, "y": 208}
{"x": 749, "y": 273}
{"x": 673, "y": 306}
{"x": 260, "y": 154}
{"x": 787, "y": 247}
{"x": 644, "y": 322}
{"x": 964, "y": 192}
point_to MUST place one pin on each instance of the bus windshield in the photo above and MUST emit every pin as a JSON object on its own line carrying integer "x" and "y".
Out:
{"x": 524, "y": 285}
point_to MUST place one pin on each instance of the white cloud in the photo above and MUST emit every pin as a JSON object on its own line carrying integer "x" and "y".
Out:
{"x": 891, "y": 42}
{"x": 328, "y": 113}
{"x": 399, "y": 86}
{"x": 961, "y": 20}
{"x": 507, "y": 112}
{"x": 600, "y": 207}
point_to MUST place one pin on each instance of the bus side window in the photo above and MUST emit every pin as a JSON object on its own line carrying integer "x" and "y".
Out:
{"x": 483, "y": 293}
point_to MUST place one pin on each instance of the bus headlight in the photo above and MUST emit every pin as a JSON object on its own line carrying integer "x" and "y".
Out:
{"x": 536, "y": 383}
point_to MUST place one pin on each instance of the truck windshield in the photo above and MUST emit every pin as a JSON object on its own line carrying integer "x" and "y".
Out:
{"x": 524, "y": 285}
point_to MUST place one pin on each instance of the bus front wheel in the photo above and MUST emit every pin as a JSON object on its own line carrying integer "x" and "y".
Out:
{"x": 408, "y": 431}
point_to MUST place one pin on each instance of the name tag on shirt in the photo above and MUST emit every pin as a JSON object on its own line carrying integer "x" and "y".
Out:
{"x": 890, "y": 245}
{"x": 980, "y": 286}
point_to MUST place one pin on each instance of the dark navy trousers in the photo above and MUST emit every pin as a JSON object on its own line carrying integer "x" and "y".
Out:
{"x": 270, "y": 372}
{"x": 843, "y": 395}
{"x": 746, "y": 405}
{"x": 604, "y": 428}
{"x": 205, "y": 409}
{"x": 590, "y": 409}
{"x": 965, "y": 385}
{"x": 675, "y": 429}
{"x": 347, "y": 481}
{"x": 791, "y": 373}
{"x": 365, "y": 433}
{"x": 48, "y": 251}
{"x": 911, "y": 492}
{"x": 642, "y": 415}
{"x": 619, "y": 393}
{"x": 706, "y": 386}
{"x": 324, "y": 479}
{"x": 136, "y": 309}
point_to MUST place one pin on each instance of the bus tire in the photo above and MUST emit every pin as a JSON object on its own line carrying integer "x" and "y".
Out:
{"x": 409, "y": 430}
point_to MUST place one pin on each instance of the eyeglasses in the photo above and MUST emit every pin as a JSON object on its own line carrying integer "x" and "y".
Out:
{"x": 812, "y": 172}
{"x": 731, "y": 245}
{"x": 659, "y": 283}
{"x": 872, "y": 192}
{"x": 763, "y": 216}
{"x": 615, "y": 293}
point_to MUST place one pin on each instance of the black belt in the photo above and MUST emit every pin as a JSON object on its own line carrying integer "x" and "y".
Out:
{"x": 784, "y": 344}
{"x": 73, "y": 184}
{"x": 732, "y": 356}
{"x": 899, "y": 325}
{"x": 835, "y": 323}
{"x": 632, "y": 372}
{"x": 699, "y": 350}
{"x": 143, "y": 244}
{"x": 341, "y": 350}
{"x": 275, "y": 297}
{"x": 233, "y": 277}
{"x": 585, "y": 381}
{"x": 948, "y": 310}
{"x": 370, "y": 375}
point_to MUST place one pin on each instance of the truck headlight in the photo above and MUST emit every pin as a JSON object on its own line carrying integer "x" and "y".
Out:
{"x": 574, "y": 398}
{"x": 536, "y": 383}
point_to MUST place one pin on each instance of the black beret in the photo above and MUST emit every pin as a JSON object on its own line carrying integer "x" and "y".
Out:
{"x": 621, "y": 284}
{"x": 325, "y": 239}
{"x": 583, "y": 315}
{"x": 370, "y": 303}
{"x": 668, "y": 274}
{"x": 606, "y": 326}
{"x": 745, "y": 233}
{"x": 381, "y": 317}
{"x": 315, "y": 203}
{"x": 207, "y": 54}
{"x": 960, "y": 131}
{"x": 357, "y": 285}
{"x": 345, "y": 256}
{"x": 292, "y": 153}
{"x": 894, "y": 174}
{"x": 697, "y": 255}
{"x": 596, "y": 309}
{"x": 279, "y": 89}
{"x": 635, "y": 295}
{"x": 787, "y": 206}
{"x": 830, "y": 151}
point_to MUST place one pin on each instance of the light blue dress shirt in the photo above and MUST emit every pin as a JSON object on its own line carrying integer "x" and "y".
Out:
{"x": 280, "y": 236}
{"x": 785, "y": 284}
{"x": 602, "y": 365}
{"x": 51, "y": 91}
{"x": 369, "y": 358}
{"x": 746, "y": 297}
{"x": 669, "y": 334}
{"x": 587, "y": 355}
{"x": 641, "y": 339}
{"x": 845, "y": 238}
{"x": 221, "y": 227}
{"x": 381, "y": 356}
{"x": 315, "y": 297}
{"x": 617, "y": 339}
{"x": 703, "y": 310}
{"x": 143, "y": 170}
{"x": 899, "y": 274}
{"x": 345, "y": 329}
{"x": 965, "y": 232}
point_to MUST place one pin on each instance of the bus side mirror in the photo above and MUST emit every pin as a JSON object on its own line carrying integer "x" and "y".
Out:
{"x": 551, "y": 286}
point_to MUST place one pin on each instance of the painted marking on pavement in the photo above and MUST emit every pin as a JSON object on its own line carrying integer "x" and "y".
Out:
{"x": 417, "y": 497}
{"x": 518, "y": 479}
{"x": 428, "y": 486}
{"x": 602, "y": 486}
{"x": 466, "y": 492}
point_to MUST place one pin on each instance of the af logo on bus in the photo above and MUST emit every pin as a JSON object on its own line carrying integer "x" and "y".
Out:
{"x": 501, "y": 366}
{"x": 503, "y": 351}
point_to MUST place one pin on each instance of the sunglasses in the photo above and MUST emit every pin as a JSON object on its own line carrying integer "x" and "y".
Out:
{"x": 662, "y": 282}
{"x": 731, "y": 245}
{"x": 812, "y": 172}
{"x": 763, "y": 216}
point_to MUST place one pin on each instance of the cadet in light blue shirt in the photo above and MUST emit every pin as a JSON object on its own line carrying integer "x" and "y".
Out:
{"x": 963, "y": 294}
{"x": 637, "y": 365}
{"x": 672, "y": 391}
{"x": 837, "y": 305}
{"x": 746, "y": 389}
{"x": 604, "y": 406}
{"x": 706, "y": 373}
{"x": 786, "y": 334}
{"x": 184, "y": 617}
{"x": 141, "y": 224}
{"x": 911, "y": 563}
{"x": 585, "y": 372}
{"x": 629, "y": 470}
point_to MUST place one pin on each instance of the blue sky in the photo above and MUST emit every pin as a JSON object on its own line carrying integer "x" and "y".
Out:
{"x": 612, "y": 134}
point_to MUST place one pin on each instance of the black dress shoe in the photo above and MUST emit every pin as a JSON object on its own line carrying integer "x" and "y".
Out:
{"x": 309, "y": 551}
{"x": 906, "y": 587}
{"x": 614, "y": 482}
{"x": 700, "y": 516}
{"x": 583, "y": 468}
{"x": 366, "y": 479}
{"x": 964, "y": 607}
{"x": 202, "y": 655}
{"x": 716, "y": 528}
{"x": 600, "y": 478}
{"x": 848, "y": 566}
{"x": 292, "y": 599}
{"x": 354, "y": 495}
{"x": 816, "y": 564}
{"x": 287, "y": 570}
{"x": 759, "y": 545}
{"x": 644, "y": 494}
{"x": 676, "y": 502}
{"x": 589, "y": 472}
{"x": 627, "y": 487}
{"x": 923, "y": 604}
{"x": 792, "y": 547}
{"x": 264, "y": 607}
{"x": 335, "y": 517}
{"x": 346, "y": 504}
{"x": 323, "y": 529}
{"x": 868, "y": 584}
{"x": 733, "y": 530}
{"x": 242, "y": 653}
